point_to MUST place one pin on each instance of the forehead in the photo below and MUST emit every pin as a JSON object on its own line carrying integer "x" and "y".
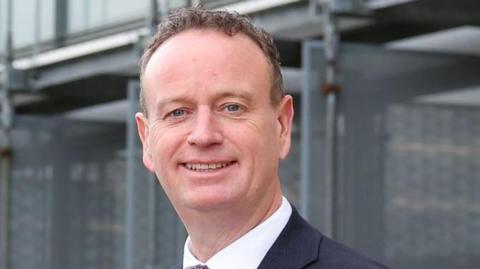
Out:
{"x": 197, "y": 38}
{"x": 199, "y": 51}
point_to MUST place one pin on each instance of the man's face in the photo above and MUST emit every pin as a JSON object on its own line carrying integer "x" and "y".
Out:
{"x": 212, "y": 136}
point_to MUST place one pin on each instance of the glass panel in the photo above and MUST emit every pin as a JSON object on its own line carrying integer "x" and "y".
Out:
{"x": 24, "y": 21}
{"x": 90, "y": 14}
{"x": 82, "y": 15}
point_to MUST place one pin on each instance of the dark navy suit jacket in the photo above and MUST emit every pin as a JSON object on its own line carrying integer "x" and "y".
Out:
{"x": 300, "y": 246}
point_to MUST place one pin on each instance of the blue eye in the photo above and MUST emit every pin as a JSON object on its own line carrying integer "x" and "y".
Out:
{"x": 177, "y": 113}
{"x": 233, "y": 107}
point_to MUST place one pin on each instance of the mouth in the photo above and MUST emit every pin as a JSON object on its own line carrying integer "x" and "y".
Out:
{"x": 207, "y": 167}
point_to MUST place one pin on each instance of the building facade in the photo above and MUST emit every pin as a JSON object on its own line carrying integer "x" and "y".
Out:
{"x": 385, "y": 153}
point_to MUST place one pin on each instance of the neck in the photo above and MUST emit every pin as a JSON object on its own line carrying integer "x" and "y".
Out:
{"x": 212, "y": 231}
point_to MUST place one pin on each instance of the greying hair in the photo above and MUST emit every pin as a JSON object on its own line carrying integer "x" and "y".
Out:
{"x": 229, "y": 23}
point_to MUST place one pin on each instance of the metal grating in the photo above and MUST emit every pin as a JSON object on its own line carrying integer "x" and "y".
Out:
{"x": 432, "y": 187}
{"x": 67, "y": 190}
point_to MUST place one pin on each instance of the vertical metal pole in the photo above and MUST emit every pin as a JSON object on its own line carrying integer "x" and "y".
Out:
{"x": 48, "y": 194}
{"x": 330, "y": 88}
{"x": 313, "y": 7}
{"x": 164, "y": 8}
{"x": 152, "y": 19}
{"x": 61, "y": 21}
{"x": 1, "y": 28}
{"x": 9, "y": 37}
{"x": 3, "y": 190}
{"x": 132, "y": 94}
{"x": 152, "y": 208}
{"x": 306, "y": 142}
{"x": 5, "y": 155}
{"x": 37, "y": 35}
{"x": 6, "y": 143}
{"x": 330, "y": 193}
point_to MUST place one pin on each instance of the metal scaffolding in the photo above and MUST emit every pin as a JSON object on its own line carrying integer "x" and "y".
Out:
{"x": 5, "y": 142}
{"x": 330, "y": 89}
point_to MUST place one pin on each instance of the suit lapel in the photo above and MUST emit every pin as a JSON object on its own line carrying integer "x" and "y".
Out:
{"x": 297, "y": 245}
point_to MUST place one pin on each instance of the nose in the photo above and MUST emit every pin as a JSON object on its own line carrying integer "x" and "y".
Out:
{"x": 206, "y": 130}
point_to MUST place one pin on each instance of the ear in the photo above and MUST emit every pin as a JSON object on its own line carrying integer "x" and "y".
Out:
{"x": 285, "y": 118}
{"x": 143, "y": 133}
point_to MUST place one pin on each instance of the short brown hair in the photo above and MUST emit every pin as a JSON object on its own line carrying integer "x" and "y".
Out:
{"x": 229, "y": 23}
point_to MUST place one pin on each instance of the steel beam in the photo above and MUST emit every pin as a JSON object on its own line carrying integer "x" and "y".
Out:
{"x": 115, "y": 61}
{"x": 300, "y": 21}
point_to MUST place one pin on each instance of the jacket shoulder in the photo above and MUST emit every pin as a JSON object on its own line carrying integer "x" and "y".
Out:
{"x": 300, "y": 245}
{"x": 335, "y": 255}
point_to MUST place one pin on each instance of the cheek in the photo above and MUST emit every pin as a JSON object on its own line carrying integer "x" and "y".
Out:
{"x": 259, "y": 139}
{"x": 162, "y": 153}
{"x": 162, "y": 150}
{"x": 267, "y": 137}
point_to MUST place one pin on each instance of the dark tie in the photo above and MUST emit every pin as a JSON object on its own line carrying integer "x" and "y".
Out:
{"x": 199, "y": 266}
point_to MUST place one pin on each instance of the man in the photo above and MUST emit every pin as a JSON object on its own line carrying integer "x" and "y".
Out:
{"x": 215, "y": 123}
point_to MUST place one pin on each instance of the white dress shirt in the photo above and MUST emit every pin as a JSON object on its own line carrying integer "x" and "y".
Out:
{"x": 247, "y": 251}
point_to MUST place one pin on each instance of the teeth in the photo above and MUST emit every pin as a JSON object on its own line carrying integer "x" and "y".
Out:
{"x": 205, "y": 166}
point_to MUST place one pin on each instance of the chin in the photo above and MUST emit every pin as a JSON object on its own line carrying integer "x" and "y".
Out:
{"x": 210, "y": 202}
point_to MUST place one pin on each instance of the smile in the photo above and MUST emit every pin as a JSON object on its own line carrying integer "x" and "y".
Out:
{"x": 203, "y": 167}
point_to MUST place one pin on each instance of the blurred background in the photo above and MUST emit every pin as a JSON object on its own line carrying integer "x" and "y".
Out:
{"x": 386, "y": 139}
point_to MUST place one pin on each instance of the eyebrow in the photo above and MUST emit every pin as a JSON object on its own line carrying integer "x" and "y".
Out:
{"x": 248, "y": 97}
{"x": 177, "y": 99}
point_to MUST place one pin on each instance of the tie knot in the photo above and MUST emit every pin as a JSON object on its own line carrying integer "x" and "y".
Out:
{"x": 198, "y": 266}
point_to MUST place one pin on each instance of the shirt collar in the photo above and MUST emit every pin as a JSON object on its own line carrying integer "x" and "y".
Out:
{"x": 248, "y": 251}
